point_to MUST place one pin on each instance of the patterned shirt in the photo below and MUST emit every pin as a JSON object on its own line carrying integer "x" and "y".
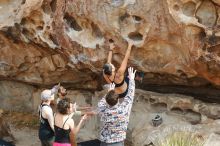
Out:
{"x": 115, "y": 119}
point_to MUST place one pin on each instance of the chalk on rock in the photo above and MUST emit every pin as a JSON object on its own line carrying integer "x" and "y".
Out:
{"x": 117, "y": 3}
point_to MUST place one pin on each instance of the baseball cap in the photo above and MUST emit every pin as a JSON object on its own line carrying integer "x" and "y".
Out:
{"x": 47, "y": 94}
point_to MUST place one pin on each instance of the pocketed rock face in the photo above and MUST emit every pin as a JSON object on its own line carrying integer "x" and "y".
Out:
{"x": 48, "y": 41}
{"x": 43, "y": 42}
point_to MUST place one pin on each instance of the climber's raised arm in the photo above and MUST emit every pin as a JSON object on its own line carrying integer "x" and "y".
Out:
{"x": 124, "y": 63}
{"x": 112, "y": 46}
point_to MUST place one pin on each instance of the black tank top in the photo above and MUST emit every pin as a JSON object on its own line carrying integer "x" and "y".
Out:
{"x": 45, "y": 131}
{"x": 116, "y": 85}
{"x": 61, "y": 134}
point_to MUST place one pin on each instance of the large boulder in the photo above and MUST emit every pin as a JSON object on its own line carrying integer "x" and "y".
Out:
{"x": 47, "y": 41}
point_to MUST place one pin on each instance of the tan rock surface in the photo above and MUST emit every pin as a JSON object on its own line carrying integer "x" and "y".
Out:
{"x": 47, "y": 41}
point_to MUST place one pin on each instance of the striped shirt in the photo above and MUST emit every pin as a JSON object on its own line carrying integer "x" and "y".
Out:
{"x": 115, "y": 119}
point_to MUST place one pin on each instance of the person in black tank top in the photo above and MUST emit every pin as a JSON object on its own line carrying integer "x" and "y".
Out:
{"x": 62, "y": 135}
{"x": 46, "y": 129}
{"x": 118, "y": 77}
{"x": 65, "y": 131}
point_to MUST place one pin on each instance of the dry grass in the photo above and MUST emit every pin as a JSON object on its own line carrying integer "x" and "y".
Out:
{"x": 182, "y": 139}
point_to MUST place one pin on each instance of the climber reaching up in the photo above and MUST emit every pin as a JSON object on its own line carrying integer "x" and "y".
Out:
{"x": 119, "y": 76}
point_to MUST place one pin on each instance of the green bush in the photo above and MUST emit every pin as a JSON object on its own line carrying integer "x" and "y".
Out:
{"x": 181, "y": 139}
